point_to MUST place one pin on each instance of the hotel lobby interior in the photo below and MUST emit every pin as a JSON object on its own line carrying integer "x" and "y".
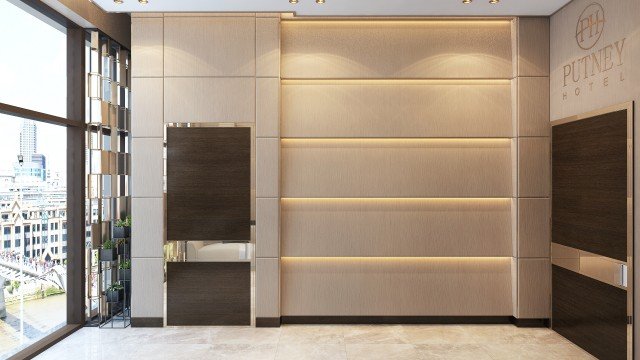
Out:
{"x": 318, "y": 179}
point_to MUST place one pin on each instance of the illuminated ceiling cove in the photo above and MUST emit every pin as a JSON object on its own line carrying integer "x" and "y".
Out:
{"x": 346, "y": 7}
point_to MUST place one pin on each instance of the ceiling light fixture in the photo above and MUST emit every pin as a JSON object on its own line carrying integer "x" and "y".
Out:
{"x": 293, "y": 1}
{"x": 494, "y": 1}
{"x": 467, "y": 1}
{"x": 319, "y": 1}
{"x": 143, "y": 2}
{"x": 118, "y": 1}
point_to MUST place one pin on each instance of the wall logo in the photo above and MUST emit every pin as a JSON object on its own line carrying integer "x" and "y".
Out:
{"x": 596, "y": 67}
{"x": 590, "y": 26}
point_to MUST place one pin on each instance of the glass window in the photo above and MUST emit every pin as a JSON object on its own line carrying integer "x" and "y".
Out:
{"x": 35, "y": 304}
{"x": 33, "y": 68}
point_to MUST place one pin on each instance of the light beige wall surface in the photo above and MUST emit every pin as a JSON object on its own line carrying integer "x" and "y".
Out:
{"x": 209, "y": 46}
{"x": 396, "y": 286}
{"x": 394, "y": 200}
{"x": 396, "y": 49}
{"x": 403, "y": 109}
{"x": 532, "y": 169}
{"x": 396, "y": 227}
{"x": 396, "y": 168}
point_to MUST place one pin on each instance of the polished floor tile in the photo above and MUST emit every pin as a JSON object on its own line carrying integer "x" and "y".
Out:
{"x": 319, "y": 342}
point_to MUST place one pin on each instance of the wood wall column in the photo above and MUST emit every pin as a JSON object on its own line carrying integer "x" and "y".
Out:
{"x": 147, "y": 170}
{"x": 531, "y": 142}
{"x": 267, "y": 170}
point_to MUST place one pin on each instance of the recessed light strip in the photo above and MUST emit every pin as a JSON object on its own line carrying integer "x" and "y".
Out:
{"x": 396, "y": 81}
{"x": 400, "y": 199}
{"x": 397, "y": 258}
{"x": 395, "y": 142}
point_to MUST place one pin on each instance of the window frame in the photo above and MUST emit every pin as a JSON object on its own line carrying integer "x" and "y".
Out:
{"x": 75, "y": 125}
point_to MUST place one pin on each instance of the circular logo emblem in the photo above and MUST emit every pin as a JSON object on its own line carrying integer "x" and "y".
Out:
{"x": 590, "y": 26}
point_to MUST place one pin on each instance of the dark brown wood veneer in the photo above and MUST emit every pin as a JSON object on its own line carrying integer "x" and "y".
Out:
{"x": 590, "y": 185}
{"x": 208, "y": 293}
{"x": 208, "y": 183}
{"x": 590, "y": 313}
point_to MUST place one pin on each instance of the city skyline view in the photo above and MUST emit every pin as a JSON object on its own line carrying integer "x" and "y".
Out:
{"x": 33, "y": 208}
{"x": 48, "y": 143}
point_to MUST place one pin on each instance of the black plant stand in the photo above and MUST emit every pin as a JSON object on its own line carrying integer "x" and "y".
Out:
{"x": 118, "y": 313}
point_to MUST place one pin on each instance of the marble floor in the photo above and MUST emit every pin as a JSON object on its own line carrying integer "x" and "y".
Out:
{"x": 334, "y": 342}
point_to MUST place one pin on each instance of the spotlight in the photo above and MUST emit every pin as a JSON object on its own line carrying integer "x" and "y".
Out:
{"x": 118, "y": 1}
{"x": 494, "y": 1}
{"x": 293, "y": 1}
{"x": 467, "y": 1}
{"x": 143, "y": 2}
{"x": 319, "y": 1}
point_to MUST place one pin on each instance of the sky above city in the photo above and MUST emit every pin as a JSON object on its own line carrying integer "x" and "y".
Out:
{"x": 33, "y": 76}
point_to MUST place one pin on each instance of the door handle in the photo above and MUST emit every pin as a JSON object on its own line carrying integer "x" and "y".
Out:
{"x": 623, "y": 275}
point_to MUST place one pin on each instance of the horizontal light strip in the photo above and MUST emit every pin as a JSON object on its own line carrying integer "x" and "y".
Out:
{"x": 396, "y": 259}
{"x": 396, "y": 142}
{"x": 398, "y": 199}
{"x": 406, "y": 21}
{"x": 396, "y": 82}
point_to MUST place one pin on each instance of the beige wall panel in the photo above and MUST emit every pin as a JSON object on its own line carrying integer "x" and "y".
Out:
{"x": 146, "y": 14}
{"x": 267, "y": 287}
{"x": 268, "y": 227}
{"x": 147, "y": 287}
{"x": 533, "y": 46}
{"x": 534, "y": 167}
{"x": 396, "y": 168}
{"x": 514, "y": 285}
{"x": 209, "y": 46}
{"x": 147, "y": 165}
{"x": 268, "y": 15}
{"x": 267, "y": 167}
{"x": 147, "y": 229}
{"x": 396, "y": 227}
{"x": 396, "y": 286}
{"x": 268, "y": 47}
{"x": 366, "y": 109}
{"x": 147, "y": 47}
{"x": 267, "y": 107}
{"x": 534, "y": 228}
{"x": 146, "y": 105}
{"x": 533, "y": 106}
{"x": 396, "y": 49}
{"x": 534, "y": 288}
{"x": 209, "y": 100}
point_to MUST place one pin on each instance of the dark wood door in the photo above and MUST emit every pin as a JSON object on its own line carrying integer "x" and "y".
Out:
{"x": 590, "y": 185}
{"x": 589, "y": 221}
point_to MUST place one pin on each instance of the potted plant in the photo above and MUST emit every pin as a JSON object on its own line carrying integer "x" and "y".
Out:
{"x": 123, "y": 247}
{"x": 124, "y": 270}
{"x": 108, "y": 253}
{"x": 122, "y": 228}
{"x": 114, "y": 293}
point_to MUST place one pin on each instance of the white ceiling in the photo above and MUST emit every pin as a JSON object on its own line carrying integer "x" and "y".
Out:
{"x": 346, "y": 7}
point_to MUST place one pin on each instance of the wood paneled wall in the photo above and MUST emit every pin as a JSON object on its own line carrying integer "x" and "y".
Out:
{"x": 204, "y": 68}
{"x": 343, "y": 286}
{"x": 420, "y": 49}
{"x": 382, "y": 227}
{"x": 402, "y": 168}
{"x": 420, "y": 109}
